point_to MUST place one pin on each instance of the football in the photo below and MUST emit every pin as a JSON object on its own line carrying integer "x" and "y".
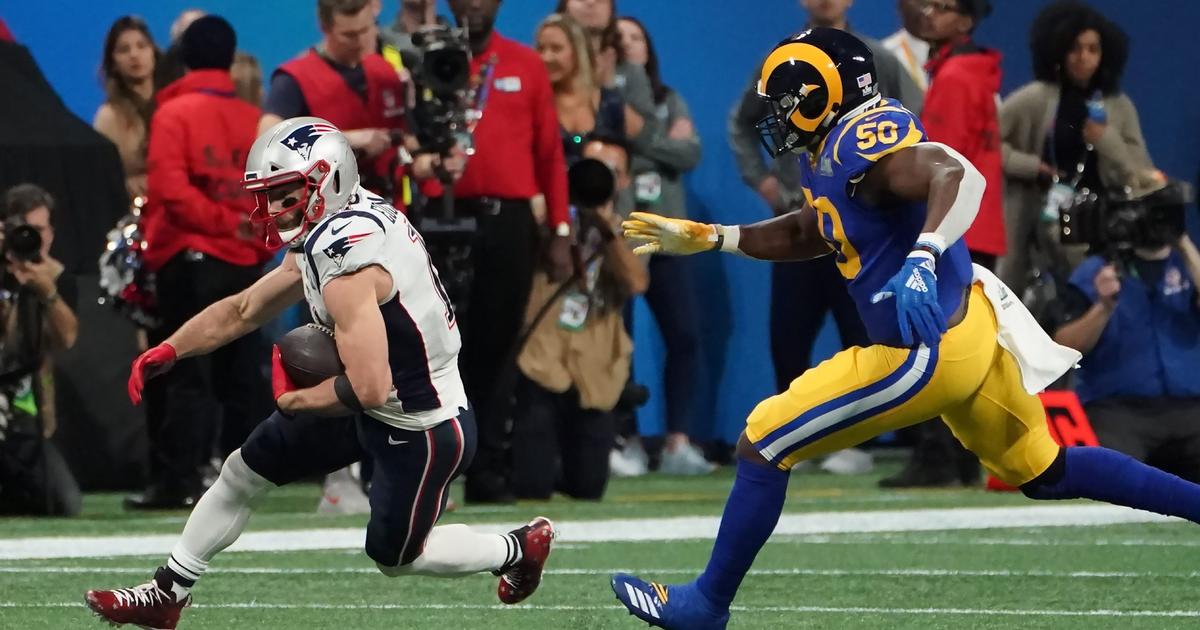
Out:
{"x": 309, "y": 355}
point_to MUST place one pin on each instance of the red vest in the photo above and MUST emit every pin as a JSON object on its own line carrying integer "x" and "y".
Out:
{"x": 328, "y": 96}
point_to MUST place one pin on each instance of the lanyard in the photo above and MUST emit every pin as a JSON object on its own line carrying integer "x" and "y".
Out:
{"x": 914, "y": 68}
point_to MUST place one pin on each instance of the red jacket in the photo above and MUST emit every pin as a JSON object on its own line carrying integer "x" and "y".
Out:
{"x": 199, "y": 138}
{"x": 327, "y": 96}
{"x": 960, "y": 112}
{"x": 518, "y": 149}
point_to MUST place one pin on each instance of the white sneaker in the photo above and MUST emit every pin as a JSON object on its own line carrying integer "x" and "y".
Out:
{"x": 851, "y": 461}
{"x": 343, "y": 494}
{"x": 685, "y": 460}
{"x": 621, "y": 463}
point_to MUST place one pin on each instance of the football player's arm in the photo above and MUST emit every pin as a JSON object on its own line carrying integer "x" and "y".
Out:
{"x": 790, "y": 236}
{"x": 934, "y": 173}
{"x": 353, "y": 303}
{"x": 230, "y": 318}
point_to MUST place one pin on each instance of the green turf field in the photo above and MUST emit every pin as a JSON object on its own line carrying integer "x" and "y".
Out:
{"x": 1126, "y": 576}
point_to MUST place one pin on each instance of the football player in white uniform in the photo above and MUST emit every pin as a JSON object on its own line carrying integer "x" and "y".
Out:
{"x": 364, "y": 272}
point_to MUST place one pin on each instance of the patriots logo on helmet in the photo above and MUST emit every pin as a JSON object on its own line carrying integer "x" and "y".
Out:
{"x": 337, "y": 250}
{"x": 303, "y": 138}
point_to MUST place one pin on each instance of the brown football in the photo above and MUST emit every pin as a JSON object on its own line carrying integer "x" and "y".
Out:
{"x": 309, "y": 355}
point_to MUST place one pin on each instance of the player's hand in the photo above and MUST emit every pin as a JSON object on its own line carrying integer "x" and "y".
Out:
{"x": 914, "y": 288}
{"x": 1093, "y": 131}
{"x": 281, "y": 383}
{"x": 676, "y": 237}
{"x": 149, "y": 364}
{"x": 1108, "y": 286}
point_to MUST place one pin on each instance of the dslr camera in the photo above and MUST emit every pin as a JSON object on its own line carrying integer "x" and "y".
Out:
{"x": 22, "y": 242}
{"x": 1117, "y": 224}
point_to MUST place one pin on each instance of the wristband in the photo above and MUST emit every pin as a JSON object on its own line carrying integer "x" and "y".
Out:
{"x": 726, "y": 238}
{"x": 345, "y": 394}
{"x": 562, "y": 229}
{"x": 932, "y": 242}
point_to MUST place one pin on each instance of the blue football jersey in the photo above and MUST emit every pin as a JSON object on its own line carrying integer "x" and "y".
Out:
{"x": 871, "y": 242}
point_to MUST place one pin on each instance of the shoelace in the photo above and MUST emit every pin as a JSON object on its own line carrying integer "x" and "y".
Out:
{"x": 142, "y": 595}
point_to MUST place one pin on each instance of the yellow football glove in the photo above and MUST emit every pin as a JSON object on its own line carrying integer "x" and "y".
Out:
{"x": 676, "y": 237}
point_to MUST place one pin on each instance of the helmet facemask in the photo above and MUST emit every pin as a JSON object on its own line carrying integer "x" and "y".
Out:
{"x": 778, "y": 131}
{"x": 301, "y": 203}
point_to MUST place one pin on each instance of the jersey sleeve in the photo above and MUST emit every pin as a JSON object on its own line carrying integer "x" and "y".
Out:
{"x": 346, "y": 245}
{"x": 871, "y": 136}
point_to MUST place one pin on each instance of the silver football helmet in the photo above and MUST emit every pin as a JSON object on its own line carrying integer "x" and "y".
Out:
{"x": 307, "y": 166}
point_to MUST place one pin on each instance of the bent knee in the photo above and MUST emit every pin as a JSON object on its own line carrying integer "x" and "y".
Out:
{"x": 746, "y": 450}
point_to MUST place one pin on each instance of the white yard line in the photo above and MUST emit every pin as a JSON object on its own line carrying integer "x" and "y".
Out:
{"x": 934, "y": 573}
{"x": 619, "y": 530}
{"x": 855, "y": 610}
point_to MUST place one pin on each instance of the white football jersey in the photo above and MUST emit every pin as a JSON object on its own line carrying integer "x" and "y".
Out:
{"x": 422, "y": 333}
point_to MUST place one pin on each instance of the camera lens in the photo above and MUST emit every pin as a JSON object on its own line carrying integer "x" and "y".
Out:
{"x": 591, "y": 182}
{"x": 23, "y": 242}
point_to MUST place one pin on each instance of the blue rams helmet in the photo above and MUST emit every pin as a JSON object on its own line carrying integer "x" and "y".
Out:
{"x": 810, "y": 81}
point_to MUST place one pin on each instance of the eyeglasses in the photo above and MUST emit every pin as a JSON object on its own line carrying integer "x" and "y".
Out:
{"x": 935, "y": 6}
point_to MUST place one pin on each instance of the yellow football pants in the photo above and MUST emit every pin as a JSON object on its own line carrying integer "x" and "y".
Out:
{"x": 968, "y": 380}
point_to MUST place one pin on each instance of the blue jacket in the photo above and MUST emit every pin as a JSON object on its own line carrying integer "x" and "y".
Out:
{"x": 1151, "y": 344}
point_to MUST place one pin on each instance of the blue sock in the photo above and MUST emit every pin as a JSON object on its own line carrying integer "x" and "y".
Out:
{"x": 1092, "y": 472}
{"x": 751, "y": 513}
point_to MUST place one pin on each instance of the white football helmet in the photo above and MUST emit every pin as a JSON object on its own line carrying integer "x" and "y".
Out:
{"x": 305, "y": 150}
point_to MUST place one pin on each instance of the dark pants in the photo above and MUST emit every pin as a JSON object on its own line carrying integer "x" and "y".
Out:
{"x": 35, "y": 479}
{"x": 1162, "y": 432}
{"x": 504, "y": 253}
{"x": 801, "y": 294}
{"x": 223, "y": 394}
{"x": 411, "y": 478}
{"x": 559, "y": 446}
{"x": 672, "y": 299}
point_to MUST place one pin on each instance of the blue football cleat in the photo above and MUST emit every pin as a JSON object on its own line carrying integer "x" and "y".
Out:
{"x": 674, "y": 607}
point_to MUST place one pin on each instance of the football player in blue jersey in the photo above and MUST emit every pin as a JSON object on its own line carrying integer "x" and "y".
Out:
{"x": 948, "y": 338}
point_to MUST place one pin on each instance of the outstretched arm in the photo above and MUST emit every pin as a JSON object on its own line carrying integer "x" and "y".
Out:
{"x": 238, "y": 314}
{"x": 791, "y": 236}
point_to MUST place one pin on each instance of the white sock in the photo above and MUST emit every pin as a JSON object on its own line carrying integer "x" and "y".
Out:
{"x": 217, "y": 520}
{"x": 456, "y": 550}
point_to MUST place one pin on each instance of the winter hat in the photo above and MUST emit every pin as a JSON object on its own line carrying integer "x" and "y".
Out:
{"x": 209, "y": 43}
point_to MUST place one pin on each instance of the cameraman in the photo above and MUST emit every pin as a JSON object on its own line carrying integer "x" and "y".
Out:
{"x": 37, "y": 320}
{"x": 518, "y": 156}
{"x": 576, "y": 360}
{"x": 1137, "y": 323}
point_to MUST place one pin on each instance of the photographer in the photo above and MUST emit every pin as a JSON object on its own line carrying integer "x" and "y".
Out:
{"x": 37, "y": 321}
{"x": 518, "y": 156}
{"x": 576, "y": 360}
{"x": 1136, "y": 319}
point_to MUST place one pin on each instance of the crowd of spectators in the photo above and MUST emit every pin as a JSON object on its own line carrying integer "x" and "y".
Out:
{"x": 543, "y": 282}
